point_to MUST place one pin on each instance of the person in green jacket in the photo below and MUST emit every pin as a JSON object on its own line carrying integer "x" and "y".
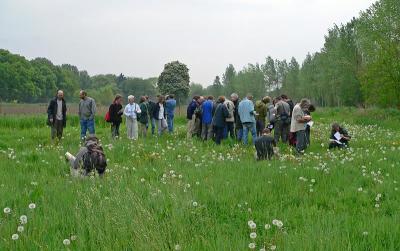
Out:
{"x": 144, "y": 116}
{"x": 261, "y": 114}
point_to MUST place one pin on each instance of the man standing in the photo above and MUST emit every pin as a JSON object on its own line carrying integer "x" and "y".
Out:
{"x": 151, "y": 107}
{"x": 246, "y": 113}
{"x": 170, "y": 105}
{"x": 297, "y": 124}
{"x": 282, "y": 120}
{"x": 206, "y": 118}
{"x": 191, "y": 116}
{"x": 238, "y": 123}
{"x": 57, "y": 115}
{"x": 87, "y": 112}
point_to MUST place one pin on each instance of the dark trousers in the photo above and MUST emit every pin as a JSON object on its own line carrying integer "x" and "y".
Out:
{"x": 230, "y": 129}
{"x": 308, "y": 130}
{"x": 260, "y": 125}
{"x": 57, "y": 129}
{"x": 301, "y": 143}
{"x": 281, "y": 130}
{"x": 219, "y": 134}
{"x": 115, "y": 130}
{"x": 336, "y": 145}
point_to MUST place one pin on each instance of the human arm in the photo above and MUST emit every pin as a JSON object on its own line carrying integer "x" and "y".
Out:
{"x": 79, "y": 158}
{"x": 93, "y": 109}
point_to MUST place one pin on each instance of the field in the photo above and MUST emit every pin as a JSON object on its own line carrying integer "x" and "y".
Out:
{"x": 172, "y": 194}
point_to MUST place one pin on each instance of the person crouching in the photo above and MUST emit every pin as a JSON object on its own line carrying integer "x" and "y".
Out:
{"x": 89, "y": 158}
{"x": 264, "y": 145}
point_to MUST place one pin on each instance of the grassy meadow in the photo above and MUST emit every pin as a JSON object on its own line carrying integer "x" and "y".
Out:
{"x": 172, "y": 194}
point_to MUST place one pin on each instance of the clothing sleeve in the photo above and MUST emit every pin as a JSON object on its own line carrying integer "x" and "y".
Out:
{"x": 79, "y": 109}
{"x": 297, "y": 114}
{"x": 226, "y": 112}
{"x": 79, "y": 157}
{"x": 126, "y": 113}
{"x": 93, "y": 109}
{"x": 138, "y": 109}
{"x": 50, "y": 110}
{"x": 345, "y": 133}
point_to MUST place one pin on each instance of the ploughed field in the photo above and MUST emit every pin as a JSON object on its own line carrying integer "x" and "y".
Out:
{"x": 172, "y": 194}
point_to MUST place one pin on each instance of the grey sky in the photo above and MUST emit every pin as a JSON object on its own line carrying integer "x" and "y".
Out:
{"x": 138, "y": 37}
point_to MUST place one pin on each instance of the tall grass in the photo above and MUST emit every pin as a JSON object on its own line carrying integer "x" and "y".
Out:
{"x": 168, "y": 193}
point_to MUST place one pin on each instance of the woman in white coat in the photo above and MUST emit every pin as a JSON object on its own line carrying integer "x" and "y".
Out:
{"x": 131, "y": 112}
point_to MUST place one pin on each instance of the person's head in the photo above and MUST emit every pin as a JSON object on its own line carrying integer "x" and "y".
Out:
{"x": 284, "y": 97}
{"x": 117, "y": 99}
{"x": 171, "y": 96}
{"x": 196, "y": 97}
{"x": 266, "y": 131}
{"x": 279, "y": 98}
{"x": 249, "y": 96}
{"x": 82, "y": 94}
{"x": 131, "y": 99}
{"x": 210, "y": 98}
{"x": 200, "y": 100}
{"x": 234, "y": 97}
{"x": 266, "y": 99}
{"x": 335, "y": 127}
{"x": 60, "y": 94}
{"x": 91, "y": 140}
{"x": 311, "y": 108}
{"x": 161, "y": 99}
{"x": 221, "y": 99}
{"x": 143, "y": 99}
{"x": 304, "y": 103}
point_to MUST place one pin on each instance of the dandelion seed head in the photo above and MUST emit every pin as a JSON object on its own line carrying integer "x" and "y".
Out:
{"x": 15, "y": 237}
{"x": 66, "y": 242}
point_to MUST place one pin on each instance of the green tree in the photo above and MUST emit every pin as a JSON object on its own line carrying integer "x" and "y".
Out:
{"x": 174, "y": 79}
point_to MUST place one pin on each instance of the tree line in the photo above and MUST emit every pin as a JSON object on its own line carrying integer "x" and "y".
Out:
{"x": 358, "y": 65}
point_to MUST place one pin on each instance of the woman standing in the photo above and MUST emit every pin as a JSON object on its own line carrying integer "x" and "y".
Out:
{"x": 115, "y": 110}
{"x": 219, "y": 119}
{"x": 144, "y": 116}
{"x": 131, "y": 112}
{"x": 159, "y": 114}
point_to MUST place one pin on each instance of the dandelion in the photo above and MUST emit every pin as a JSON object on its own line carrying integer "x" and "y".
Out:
{"x": 253, "y": 225}
{"x": 360, "y": 189}
{"x": 32, "y": 206}
{"x": 177, "y": 247}
{"x": 267, "y": 226}
{"x": 73, "y": 237}
{"x": 20, "y": 229}
{"x": 279, "y": 224}
{"x": 66, "y": 242}
{"x": 377, "y": 205}
{"x": 312, "y": 180}
{"x": 194, "y": 203}
{"x": 253, "y": 235}
{"x": 252, "y": 245}
{"x": 365, "y": 233}
{"x": 272, "y": 247}
{"x": 142, "y": 180}
{"x": 275, "y": 222}
{"x": 7, "y": 210}
{"x": 23, "y": 219}
{"x": 262, "y": 249}
{"x": 15, "y": 237}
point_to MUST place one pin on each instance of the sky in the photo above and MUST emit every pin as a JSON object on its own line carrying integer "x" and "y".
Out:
{"x": 137, "y": 38}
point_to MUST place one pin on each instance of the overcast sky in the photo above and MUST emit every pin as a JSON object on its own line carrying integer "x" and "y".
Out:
{"x": 138, "y": 37}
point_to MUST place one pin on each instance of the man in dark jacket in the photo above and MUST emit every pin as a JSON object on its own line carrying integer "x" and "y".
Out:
{"x": 238, "y": 123}
{"x": 151, "y": 106}
{"x": 219, "y": 119}
{"x": 57, "y": 115}
{"x": 191, "y": 116}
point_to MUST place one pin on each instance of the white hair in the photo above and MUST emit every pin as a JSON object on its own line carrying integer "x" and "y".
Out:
{"x": 234, "y": 95}
{"x": 131, "y": 97}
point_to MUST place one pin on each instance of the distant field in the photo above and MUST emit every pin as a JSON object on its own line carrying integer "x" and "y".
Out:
{"x": 172, "y": 194}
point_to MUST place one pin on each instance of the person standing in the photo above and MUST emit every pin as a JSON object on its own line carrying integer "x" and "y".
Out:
{"x": 230, "y": 121}
{"x": 297, "y": 124}
{"x": 191, "y": 117}
{"x": 206, "y": 118}
{"x": 238, "y": 123}
{"x": 159, "y": 115}
{"x": 246, "y": 113}
{"x": 144, "y": 116}
{"x": 57, "y": 115}
{"x": 261, "y": 110}
{"x": 87, "y": 113}
{"x": 282, "y": 120}
{"x": 170, "y": 105}
{"x": 131, "y": 113}
{"x": 151, "y": 106}
{"x": 115, "y": 110}
{"x": 219, "y": 119}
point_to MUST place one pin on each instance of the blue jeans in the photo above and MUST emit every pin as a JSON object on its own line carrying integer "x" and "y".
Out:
{"x": 246, "y": 128}
{"x": 170, "y": 122}
{"x": 87, "y": 125}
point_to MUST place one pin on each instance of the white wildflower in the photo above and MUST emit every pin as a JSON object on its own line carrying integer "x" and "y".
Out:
{"x": 66, "y": 242}
{"x": 20, "y": 229}
{"x": 32, "y": 206}
{"x": 7, "y": 210}
{"x": 252, "y": 245}
{"x": 253, "y": 235}
{"x": 15, "y": 237}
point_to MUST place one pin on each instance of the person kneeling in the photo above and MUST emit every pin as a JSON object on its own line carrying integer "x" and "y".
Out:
{"x": 89, "y": 158}
{"x": 264, "y": 145}
{"x": 339, "y": 137}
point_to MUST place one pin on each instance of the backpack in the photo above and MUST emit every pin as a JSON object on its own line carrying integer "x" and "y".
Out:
{"x": 107, "y": 118}
{"x": 94, "y": 158}
{"x": 285, "y": 118}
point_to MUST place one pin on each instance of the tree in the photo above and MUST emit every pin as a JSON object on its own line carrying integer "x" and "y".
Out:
{"x": 174, "y": 79}
{"x": 228, "y": 78}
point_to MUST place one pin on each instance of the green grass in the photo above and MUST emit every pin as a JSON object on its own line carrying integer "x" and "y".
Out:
{"x": 146, "y": 201}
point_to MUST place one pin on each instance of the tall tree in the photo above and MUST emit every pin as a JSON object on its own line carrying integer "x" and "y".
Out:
{"x": 174, "y": 79}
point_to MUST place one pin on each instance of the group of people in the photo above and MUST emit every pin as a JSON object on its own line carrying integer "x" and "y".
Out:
{"x": 208, "y": 119}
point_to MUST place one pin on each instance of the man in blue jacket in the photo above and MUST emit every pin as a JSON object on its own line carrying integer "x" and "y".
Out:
{"x": 170, "y": 105}
{"x": 206, "y": 119}
{"x": 246, "y": 113}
